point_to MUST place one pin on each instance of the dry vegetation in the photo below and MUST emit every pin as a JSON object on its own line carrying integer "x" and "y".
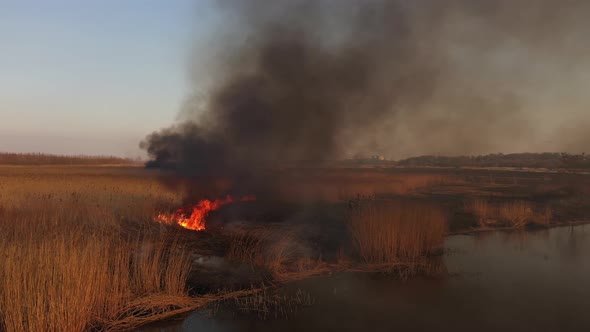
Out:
{"x": 274, "y": 251}
{"x": 515, "y": 213}
{"x": 121, "y": 191}
{"x": 81, "y": 251}
{"x": 74, "y": 258}
{"x": 261, "y": 248}
{"x": 48, "y": 159}
{"x": 342, "y": 185}
{"x": 390, "y": 231}
{"x": 271, "y": 304}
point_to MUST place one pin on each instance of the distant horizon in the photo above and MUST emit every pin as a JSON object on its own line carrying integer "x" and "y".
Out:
{"x": 146, "y": 158}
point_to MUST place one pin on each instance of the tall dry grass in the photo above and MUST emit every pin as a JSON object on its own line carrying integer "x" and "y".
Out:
{"x": 79, "y": 253}
{"x": 385, "y": 231}
{"x": 262, "y": 248}
{"x": 343, "y": 185}
{"x": 49, "y": 159}
{"x": 545, "y": 216}
{"x": 125, "y": 191}
{"x": 275, "y": 250}
{"x": 269, "y": 303}
{"x": 516, "y": 213}
{"x": 65, "y": 275}
{"x": 485, "y": 212}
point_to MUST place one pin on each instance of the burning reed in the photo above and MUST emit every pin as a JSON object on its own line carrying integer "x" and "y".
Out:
{"x": 388, "y": 231}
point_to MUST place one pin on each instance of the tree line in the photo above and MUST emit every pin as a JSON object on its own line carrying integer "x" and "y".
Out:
{"x": 530, "y": 160}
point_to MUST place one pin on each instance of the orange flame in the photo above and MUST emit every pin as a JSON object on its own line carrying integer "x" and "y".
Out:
{"x": 199, "y": 212}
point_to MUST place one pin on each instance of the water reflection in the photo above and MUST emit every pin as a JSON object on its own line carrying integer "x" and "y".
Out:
{"x": 526, "y": 281}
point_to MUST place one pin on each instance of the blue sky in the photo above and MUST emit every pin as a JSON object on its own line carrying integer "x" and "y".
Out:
{"x": 93, "y": 77}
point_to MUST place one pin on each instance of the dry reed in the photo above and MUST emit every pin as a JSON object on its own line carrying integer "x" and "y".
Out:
{"x": 514, "y": 214}
{"x": 484, "y": 211}
{"x": 70, "y": 262}
{"x": 338, "y": 186}
{"x": 544, "y": 217}
{"x": 263, "y": 248}
{"x": 268, "y": 303}
{"x": 385, "y": 231}
{"x": 72, "y": 279}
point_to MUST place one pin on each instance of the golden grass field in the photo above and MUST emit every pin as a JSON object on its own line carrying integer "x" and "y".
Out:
{"x": 81, "y": 250}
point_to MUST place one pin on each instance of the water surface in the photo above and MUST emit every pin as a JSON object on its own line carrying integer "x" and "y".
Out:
{"x": 524, "y": 281}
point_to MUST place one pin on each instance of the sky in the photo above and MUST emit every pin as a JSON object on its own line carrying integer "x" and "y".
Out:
{"x": 93, "y": 77}
{"x": 96, "y": 77}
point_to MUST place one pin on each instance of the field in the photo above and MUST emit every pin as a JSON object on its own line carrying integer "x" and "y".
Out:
{"x": 82, "y": 249}
{"x": 38, "y": 159}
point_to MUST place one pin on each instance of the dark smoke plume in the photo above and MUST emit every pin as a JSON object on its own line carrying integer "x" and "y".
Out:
{"x": 293, "y": 81}
{"x": 293, "y": 97}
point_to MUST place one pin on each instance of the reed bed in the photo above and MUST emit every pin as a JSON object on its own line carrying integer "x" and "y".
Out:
{"x": 485, "y": 212}
{"x": 268, "y": 249}
{"x": 545, "y": 216}
{"x": 81, "y": 253}
{"x": 62, "y": 275}
{"x": 387, "y": 231}
{"x": 125, "y": 191}
{"x": 268, "y": 303}
{"x": 515, "y": 214}
{"x": 343, "y": 186}
{"x": 276, "y": 251}
{"x": 49, "y": 159}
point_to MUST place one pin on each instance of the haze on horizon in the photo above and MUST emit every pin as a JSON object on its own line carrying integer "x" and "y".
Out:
{"x": 97, "y": 77}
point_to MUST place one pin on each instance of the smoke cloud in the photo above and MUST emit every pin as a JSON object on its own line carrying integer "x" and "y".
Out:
{"x": 287, "y": 81}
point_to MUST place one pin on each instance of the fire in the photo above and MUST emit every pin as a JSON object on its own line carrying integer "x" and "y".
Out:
{"x": 194, "y": 217}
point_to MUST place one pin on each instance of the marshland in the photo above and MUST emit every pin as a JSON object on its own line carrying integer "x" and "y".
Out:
{"x": 83, "y": 248}
{"x": 294, "y": 165}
